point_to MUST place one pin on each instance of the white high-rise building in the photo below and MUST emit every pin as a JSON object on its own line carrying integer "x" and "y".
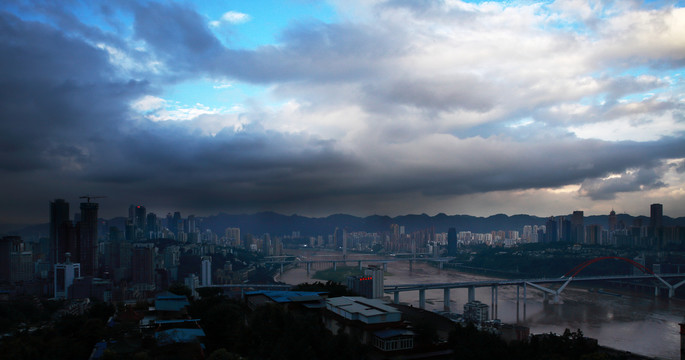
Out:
{"x": 206, "y": 271}
{"x": 376, "y": 274}
{"x": 64, "y": 277}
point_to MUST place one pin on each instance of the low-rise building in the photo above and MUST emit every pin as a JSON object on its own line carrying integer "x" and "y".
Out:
{"x": 476, "y": 312}
{"x": 365, "y": 319}
{"x": 289, "y": 299}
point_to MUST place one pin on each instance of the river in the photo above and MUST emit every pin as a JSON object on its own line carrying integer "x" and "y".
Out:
{"x": 635, "y": 322}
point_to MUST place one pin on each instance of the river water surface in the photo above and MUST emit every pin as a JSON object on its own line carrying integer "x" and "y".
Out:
{"x": 635, "y": 322}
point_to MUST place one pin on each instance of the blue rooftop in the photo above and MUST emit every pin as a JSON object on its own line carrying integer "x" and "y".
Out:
{"x": 170, "y": 296}
{"x": 170, "y": 305}
{"x": 288, "y": 296}
{"x": 171, "y": 336}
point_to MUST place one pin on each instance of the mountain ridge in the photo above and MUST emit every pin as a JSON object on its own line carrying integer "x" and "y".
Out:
{"x": 280, "y": 224}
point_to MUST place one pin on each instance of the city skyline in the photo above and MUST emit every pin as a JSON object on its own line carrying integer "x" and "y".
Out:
{"x": 318, "y": 108}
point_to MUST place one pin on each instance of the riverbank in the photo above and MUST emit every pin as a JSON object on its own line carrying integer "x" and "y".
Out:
{"x": 634, "y": 322}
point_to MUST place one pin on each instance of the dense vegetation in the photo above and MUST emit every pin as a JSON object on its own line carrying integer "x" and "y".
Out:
{"x": 71, "y": 336}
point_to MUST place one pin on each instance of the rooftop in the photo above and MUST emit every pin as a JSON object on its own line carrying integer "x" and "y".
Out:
{"x": 288, "y": 296}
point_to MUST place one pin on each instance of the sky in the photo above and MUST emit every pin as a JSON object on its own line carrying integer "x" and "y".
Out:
{"x": 367, "y": 107}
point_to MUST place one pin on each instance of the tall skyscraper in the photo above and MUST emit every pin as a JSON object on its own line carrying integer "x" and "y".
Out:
{"x": 152, "y": 227}
{"x": 59, "y": 213}
{"x": 88, "y": 236}
{"x": 338, "y": 237}
{"x": 612, "y": 220}
{"x": 577, "y": 227}
{"x": 191, "y": 224}
{"x": 656, "y": 216}
{"x": 177, "y": 224}
{"x": 139, "y": 222}
{"x": 593, "y": 234}
{"x": 552, "y": 235}
{"x": 143, "y": 263}
{"x": 656, "y": 223}
{"x": 6, "y": 258}
{"x": 451, "y": 242}
{"x": 206, "y": 271}
{"x": 233, "y": 237}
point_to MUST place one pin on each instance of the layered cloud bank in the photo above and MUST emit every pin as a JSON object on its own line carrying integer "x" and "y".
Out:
{"x": 385, "y": 107}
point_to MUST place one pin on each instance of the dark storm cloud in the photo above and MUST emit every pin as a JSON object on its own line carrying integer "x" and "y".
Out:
{"x": 177, "y": 34}
{"x": 55, "y": 91}
{"x": 607, "y": 189}
{"x": 311, "y": 51}
{"x": 68, "y": 129}
{"x": 479, "y": 166}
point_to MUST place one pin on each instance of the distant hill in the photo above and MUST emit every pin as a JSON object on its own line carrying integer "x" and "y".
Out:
{"x": 279, "y": 224}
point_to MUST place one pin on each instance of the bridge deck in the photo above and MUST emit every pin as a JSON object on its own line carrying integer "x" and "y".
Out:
{"x": 487, "y": 283}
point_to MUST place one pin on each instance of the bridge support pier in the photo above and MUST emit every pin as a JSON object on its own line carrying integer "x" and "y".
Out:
{"x": 396, "y": 297}
{"x": 422, "y": 298}
{"x": 385, "y": 266}
{"x": 472, "y": 293}
{"x": 309, "y": 267}
{"x": 518, "y": 289}
{"x": 524, "y": 301}
{"x": 335, "y": 266}
{"x": 493, "y": 302}
{"x": 446, "y": 299}
{"x": 496, "y": 302}
{"x": 281, "y": 268}
{"x": 671, "y": 292}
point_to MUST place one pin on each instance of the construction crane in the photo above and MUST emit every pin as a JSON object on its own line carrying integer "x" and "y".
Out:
{"x": 91, "y": 197}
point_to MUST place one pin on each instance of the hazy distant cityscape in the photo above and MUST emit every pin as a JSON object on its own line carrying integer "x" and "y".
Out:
{"x": 142, "y": 251}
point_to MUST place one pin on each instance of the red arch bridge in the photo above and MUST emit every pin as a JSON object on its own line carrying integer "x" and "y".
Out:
{"x": 542, "y": 284}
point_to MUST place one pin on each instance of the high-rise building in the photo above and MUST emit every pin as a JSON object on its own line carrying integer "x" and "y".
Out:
{"x": 139, "y": 219}
{"x": 170, "y": 222}
{"x": 151, "y": 226}
{"x": 206, "y": 271}
{"x": 344, "y": 242}
{"x": 552, "y": 235}
{"x": 143, "y": 263}
{"x": 656, "y": 216}
{"x": 6, "y": 258}
{"x": 452, "y": 242}
{"x": 233, "y": 237}
{"x": 88, "y": 239}
{"x": 593, "y": 234}
{"x": 192, "y": 226}
{"x": 612, "y": 220}
{"x": 577, "y": 227}
{"x": 338, "y": 238}
{"x": 376, "y": 274}
{"x": 65, "y": 273}
{"x": 59, "y": 213}
{"x": 177, "y": 226}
